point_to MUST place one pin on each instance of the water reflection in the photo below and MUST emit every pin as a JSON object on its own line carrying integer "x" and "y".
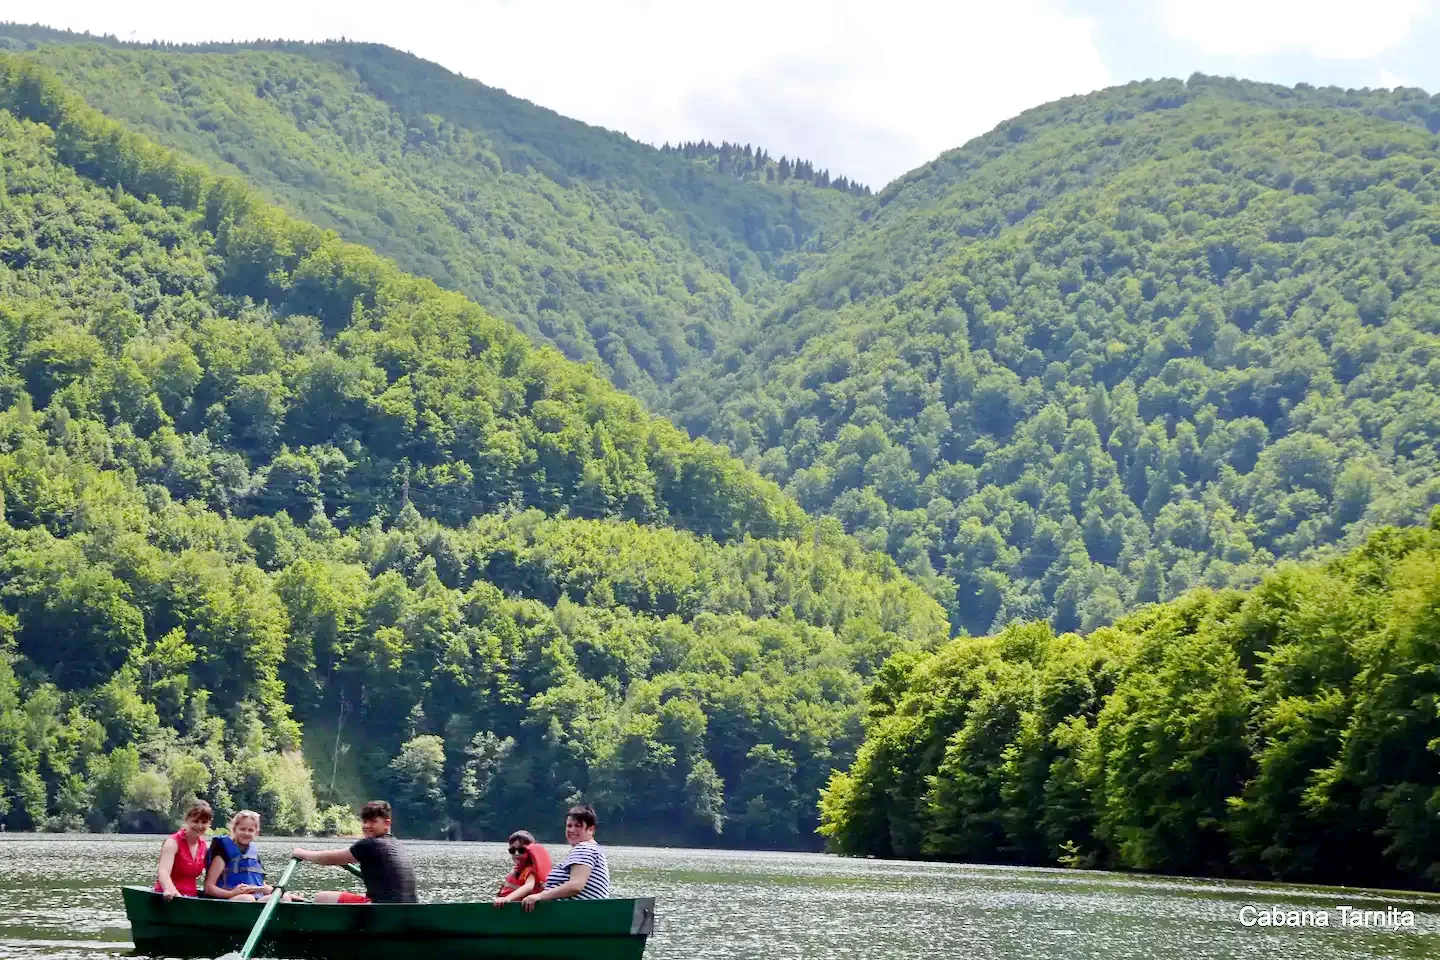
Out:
{"x": 58, "y": 900}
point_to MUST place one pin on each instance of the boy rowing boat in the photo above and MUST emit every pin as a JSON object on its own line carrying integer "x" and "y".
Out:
{"x": 384, "y": 865}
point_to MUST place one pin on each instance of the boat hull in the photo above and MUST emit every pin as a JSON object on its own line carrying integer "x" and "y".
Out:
{"x": 556, "y": 930}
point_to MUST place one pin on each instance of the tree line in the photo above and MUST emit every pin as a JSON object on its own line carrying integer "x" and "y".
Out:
{"x": 752, "y": 163}
{"x": 1286, "y": 732}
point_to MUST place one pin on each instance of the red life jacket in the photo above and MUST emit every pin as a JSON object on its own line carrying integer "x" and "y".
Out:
{"x": 537, "y": 861}
{"x": 187, "y": 866}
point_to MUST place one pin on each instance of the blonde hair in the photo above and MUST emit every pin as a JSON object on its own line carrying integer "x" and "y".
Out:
{"x": 244, "y": 815}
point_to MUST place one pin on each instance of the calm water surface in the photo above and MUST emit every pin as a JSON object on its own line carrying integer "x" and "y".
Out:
{"x": 59, "y": 901}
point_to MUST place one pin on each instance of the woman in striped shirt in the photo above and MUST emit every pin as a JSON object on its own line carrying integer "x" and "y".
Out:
{"x": 583, "y": 874}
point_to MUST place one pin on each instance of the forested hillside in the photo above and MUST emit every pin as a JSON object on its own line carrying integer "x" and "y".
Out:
{"x": 1286, "y": 732}
{"x": 280, "y": 524}
{"x": 1126, "y": 344}
{"x": 614, "y": 251}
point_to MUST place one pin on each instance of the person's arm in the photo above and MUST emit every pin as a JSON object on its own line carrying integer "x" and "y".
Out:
{"x": 326, "y": 858}
{"x": 579, "y": 876}
{"x": 168, "y": 849}
{"x": 212, "y": 879}
{"x": 518, "y": 893}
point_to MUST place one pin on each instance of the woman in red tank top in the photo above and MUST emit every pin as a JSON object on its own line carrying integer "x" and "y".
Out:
{"x": 182, "y": 855}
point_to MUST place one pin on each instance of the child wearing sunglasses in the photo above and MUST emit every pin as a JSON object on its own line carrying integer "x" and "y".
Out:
{"x": 530, "y": 866}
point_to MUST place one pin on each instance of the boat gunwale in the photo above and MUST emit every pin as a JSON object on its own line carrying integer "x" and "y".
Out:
{"x": 154, "y": 915}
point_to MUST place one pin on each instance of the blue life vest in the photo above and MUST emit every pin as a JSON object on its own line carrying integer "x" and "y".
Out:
{"x": 240, "y": 866}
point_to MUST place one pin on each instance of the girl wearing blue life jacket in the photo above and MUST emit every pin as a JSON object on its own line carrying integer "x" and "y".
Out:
{"x": 232, "y": 866}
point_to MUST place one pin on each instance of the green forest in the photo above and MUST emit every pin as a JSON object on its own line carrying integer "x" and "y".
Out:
{"x": 1131, "y": 344}
{"x": 749, "y": 163}
{"x": 258, "y": 484}
{"x": 1087, "y": 361}
{"x": 365, "y": 429}
{"x": 1289, "y": 732}
{"x": 620, "y": 255}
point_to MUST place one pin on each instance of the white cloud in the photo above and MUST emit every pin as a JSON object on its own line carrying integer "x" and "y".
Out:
{"x": 867, "y": 89}
{"x": 1389, "y": 81}
{"x": 1338, "y": 29}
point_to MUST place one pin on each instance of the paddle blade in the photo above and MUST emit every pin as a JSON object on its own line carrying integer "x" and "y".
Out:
{"x": 253, "y": 941}
{"x": 232, "y": 955}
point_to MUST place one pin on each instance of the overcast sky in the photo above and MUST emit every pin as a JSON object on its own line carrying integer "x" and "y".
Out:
{"x": 867, "y": 88}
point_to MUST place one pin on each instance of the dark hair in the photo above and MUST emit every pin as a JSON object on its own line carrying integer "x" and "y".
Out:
{"x": 524, "y": 836}
{"x": 375, "y": 810}
{"x": 200, "y": 810}
{"x": 584, "y": 813}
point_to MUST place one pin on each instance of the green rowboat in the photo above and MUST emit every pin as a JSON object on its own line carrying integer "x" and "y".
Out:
{"x": 556, "y": 930}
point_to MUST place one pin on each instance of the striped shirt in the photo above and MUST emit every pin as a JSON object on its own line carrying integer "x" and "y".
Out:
{"x": 588, "y": 852}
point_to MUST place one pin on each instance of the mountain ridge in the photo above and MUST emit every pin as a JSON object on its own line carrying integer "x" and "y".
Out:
{"x": 756, "y": 380}
{"x": 487, "y": 180}
{"x": 1197, "y": 247}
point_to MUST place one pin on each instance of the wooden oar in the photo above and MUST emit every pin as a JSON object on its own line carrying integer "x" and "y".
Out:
{"x": 275, "y": 896}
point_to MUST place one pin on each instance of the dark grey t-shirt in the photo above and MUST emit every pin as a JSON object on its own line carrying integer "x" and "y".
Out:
{"x": 386, "y": 869}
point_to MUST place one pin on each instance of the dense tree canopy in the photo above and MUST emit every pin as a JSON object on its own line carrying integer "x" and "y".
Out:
{"x": 1286, "y": 732}
{"x": 615, "y": 252}
{"x": 280, "y": 524}
{"x": 1083, "y": 362}
{"x": 1125, "y": 345}
{"x": 755, "y": 163}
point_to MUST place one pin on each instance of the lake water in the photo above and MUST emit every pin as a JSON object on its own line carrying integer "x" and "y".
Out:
{"x": 59, "y": 901}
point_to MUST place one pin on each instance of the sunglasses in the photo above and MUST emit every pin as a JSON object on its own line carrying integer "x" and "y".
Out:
{"x": 516, "y": 851}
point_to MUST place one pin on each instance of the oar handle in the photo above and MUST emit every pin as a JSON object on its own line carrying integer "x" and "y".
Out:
{"x": 353, "y": 869}
{"x": 254, "y": 939}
